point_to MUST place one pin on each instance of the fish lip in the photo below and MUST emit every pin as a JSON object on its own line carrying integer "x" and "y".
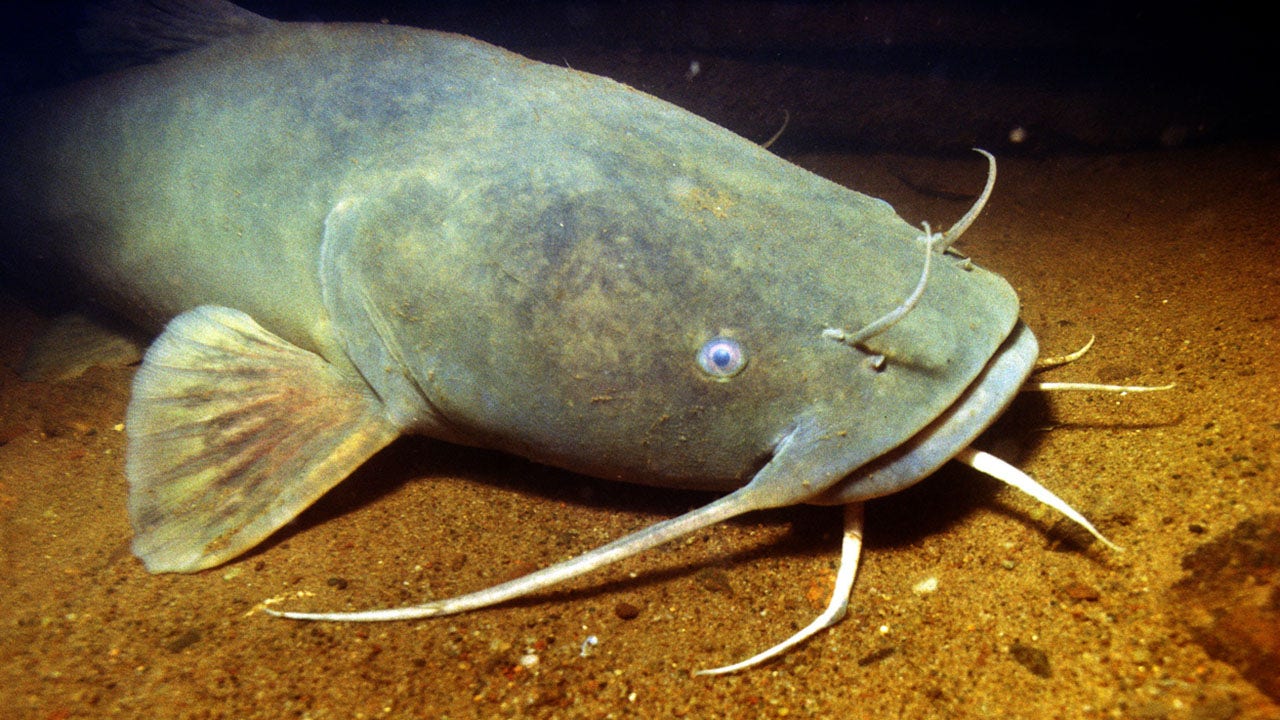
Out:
{"x": 984, "y": 400}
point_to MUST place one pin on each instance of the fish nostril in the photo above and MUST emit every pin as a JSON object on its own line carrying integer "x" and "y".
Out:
{"x": 933, "y": 241}
{"x": 891, "y": 318}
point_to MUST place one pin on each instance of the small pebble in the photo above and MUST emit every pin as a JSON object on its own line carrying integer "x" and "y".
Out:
{"x": 183, "y": 641}
{"x": 626, "y": 611}
{"x": 1032, "y": 658}
{"x": 715, "y": 580}
{"x": 876, "y": 656}
{"x": 1080, "y": 591}
{"x": 925, "y": 586}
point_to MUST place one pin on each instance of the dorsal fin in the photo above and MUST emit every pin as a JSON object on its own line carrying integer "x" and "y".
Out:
{"x": 123, "y": 33}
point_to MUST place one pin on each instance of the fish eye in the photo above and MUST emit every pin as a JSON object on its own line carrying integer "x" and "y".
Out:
{"x": 721, "y": 358}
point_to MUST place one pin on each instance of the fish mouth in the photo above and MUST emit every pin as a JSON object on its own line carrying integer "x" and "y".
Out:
{"x": 973, "y": 412}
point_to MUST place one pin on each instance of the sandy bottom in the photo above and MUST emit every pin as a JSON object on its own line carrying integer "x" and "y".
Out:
{"x": 1171, "y": 259}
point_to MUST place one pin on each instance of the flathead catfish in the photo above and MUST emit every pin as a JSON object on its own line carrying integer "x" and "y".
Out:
{"x": 349, "y": 232}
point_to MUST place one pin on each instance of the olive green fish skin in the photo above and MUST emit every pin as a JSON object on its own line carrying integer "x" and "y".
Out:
{"x": 509, "y": 254}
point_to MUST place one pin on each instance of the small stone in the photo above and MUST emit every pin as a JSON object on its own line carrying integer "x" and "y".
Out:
{"x": 715, "y": 580}
{"x": 1032, "y": 658}
{"x": 1080, "y": 591}
{"x": 876, "y": 656}
{"x": 626, "y": 611}
{"x": 926, "y": 586}
{"x": 183, "y": 641}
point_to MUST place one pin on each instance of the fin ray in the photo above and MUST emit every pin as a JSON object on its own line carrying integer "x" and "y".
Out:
{"x": 233, "y": 432}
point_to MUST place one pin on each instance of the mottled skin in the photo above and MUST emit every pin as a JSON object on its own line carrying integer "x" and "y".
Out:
{"x": 452, "y": 240}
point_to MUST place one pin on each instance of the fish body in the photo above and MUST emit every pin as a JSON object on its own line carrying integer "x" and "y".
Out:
{"x": 349, "y": 232}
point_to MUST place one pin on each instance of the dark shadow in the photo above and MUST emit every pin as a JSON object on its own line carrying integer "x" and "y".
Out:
{"x": 419, "y": 458}
{"x": 900, "y": 520}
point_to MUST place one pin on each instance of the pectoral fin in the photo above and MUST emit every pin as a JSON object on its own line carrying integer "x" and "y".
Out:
{"x": 233, "y": 432}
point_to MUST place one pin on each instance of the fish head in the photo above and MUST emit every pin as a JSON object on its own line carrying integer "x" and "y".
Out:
{"x": 657, "y": 319}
